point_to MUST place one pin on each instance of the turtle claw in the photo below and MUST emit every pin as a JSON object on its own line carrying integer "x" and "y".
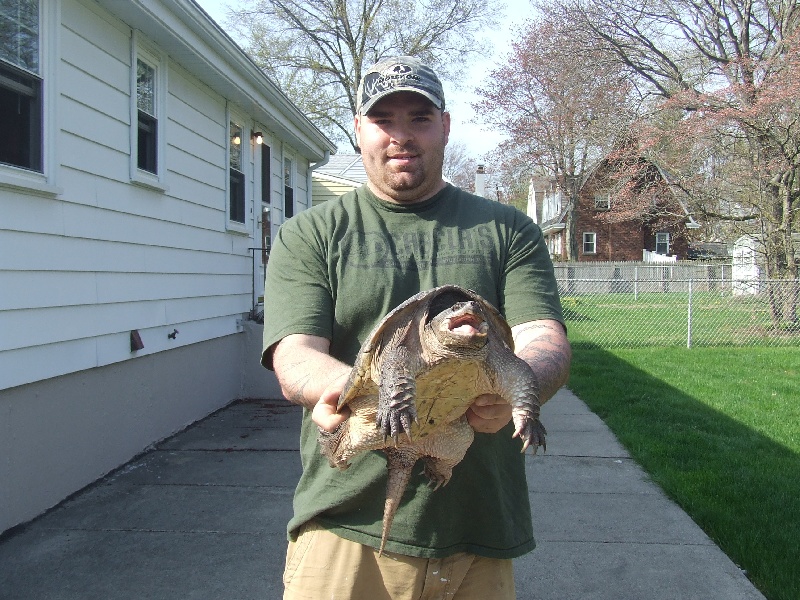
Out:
{"x": 532, "y": 433}
{"x": 437, "y": 474}
{"x": 434, "y": 481}
{"x": 394, "y": 422}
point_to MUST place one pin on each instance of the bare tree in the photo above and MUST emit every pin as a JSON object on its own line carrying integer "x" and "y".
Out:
{"x": 318, "y": 50}
{"x": 561, "y": 105}
{"x": 459, "y": 166}
{"x": 725, "y": 73}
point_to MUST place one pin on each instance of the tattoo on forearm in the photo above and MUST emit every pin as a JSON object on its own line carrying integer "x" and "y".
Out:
{"x": 546, "y": 354}
{"x": 295, "y": 381}
{"x": 295, "y": 391}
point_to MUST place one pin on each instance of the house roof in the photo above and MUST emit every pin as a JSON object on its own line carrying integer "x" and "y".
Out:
{"x": 557, "y": 223}
{"x": 349, "y": 167}
{"x": 192, "y": 38}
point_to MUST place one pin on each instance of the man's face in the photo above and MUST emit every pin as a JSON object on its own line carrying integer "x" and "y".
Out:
{"x": 402, "y": 141}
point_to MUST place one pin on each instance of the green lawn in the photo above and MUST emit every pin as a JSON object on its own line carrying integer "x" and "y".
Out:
{"x": 719, "y": 430}
{"x": 628, "y": 320}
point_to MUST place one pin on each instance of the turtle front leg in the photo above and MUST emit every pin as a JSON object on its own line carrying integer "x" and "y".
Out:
{"x": 397, "y": 393}
{"x": 521, "y": 388}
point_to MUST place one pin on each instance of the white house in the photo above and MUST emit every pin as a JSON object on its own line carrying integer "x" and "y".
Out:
{"x": 145, "y": 161}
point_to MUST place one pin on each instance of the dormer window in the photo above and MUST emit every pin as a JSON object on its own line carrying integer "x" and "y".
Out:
{"x": 602, "y": 201}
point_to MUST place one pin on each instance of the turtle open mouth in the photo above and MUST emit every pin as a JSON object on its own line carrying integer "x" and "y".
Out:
{"x": 468, "y": 324}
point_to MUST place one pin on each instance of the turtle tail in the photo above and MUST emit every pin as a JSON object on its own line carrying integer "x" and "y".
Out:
{"x": 401, "y": 461}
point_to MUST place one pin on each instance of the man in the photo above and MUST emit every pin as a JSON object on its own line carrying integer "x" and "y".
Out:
{"x": 334, "y": 272}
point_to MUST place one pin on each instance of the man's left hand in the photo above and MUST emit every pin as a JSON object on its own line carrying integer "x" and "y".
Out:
{"x": 489, "y": 413}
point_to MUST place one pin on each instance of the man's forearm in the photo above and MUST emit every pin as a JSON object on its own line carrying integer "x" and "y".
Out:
{"x": 305, "y": 369}
{"x": 544, "y": 346}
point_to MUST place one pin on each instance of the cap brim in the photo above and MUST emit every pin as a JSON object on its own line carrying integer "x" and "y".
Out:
{"x": 365, "y": 108}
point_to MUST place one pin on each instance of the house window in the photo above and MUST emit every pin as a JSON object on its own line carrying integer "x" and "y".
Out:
{"x": 662, "y": 243}
{"x": 288, "y": 188}
{"x": 590, "y": 243}
{"x": 266, "y": 184}
{"x": 148, "y": 114}
{"x": 147, "y": 128}
{"x": 20, "y": 85}
{"x": 602, "y": 201}
{"x": 236, "y": 191}
{"x": 266, "y": 174}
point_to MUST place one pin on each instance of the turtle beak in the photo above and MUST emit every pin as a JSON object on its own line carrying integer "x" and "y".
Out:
{"x": 467, "y": 321}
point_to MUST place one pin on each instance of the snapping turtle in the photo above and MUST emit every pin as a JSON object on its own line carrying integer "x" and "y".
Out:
{"x": 414, "y": 379}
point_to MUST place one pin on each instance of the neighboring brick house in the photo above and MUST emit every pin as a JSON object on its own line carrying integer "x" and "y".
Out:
{"x": 595, "y": 236}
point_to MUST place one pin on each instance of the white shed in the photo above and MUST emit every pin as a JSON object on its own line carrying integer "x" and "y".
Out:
{"x": 145, "y": 161}
{"x": 746, "y": 271}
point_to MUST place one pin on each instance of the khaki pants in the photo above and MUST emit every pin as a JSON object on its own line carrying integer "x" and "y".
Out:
{"x": 321, "y": 565}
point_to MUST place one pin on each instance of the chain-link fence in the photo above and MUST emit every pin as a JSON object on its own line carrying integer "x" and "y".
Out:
{"x": 635, "y": 305}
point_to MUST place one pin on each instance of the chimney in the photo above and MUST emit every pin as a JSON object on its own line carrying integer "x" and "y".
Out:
{"x": 480, "y": 181}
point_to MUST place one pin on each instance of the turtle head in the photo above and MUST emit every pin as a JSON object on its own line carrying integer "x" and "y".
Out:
{"x": 462, "y": 325}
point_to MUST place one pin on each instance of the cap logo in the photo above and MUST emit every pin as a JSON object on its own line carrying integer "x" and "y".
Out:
{"x": 388, "y": 79}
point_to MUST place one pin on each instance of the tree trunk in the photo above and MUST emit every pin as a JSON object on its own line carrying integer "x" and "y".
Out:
{"x": 781, "y": 265}
{"x": 570, "y": 239}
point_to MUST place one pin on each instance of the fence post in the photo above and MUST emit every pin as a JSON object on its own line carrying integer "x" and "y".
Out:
{"x": 635, "y": 284}
{"x": 689, "y": 319}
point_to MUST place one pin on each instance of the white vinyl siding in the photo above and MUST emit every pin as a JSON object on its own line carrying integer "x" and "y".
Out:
{"x": 94, "y": 249}
{"x": 106, "y": 257}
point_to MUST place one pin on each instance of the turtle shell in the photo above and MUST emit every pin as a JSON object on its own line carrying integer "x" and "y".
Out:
{"x": 410, "y": 317}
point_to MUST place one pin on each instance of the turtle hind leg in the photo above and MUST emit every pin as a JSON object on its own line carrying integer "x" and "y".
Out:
{"x": 401, "y": 462}
{"x": 438, "y": 471}
{"x": 445, "y": 449}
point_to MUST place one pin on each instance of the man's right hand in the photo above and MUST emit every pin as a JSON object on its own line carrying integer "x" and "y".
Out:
{"x": 306, "y": 371}
{"x": 325, "y": 413}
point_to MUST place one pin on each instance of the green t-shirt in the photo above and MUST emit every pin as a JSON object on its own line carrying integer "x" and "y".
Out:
{"x": 334, "y": 271}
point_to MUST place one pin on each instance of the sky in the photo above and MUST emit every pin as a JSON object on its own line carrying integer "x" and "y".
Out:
{"x": 477, "y": 139}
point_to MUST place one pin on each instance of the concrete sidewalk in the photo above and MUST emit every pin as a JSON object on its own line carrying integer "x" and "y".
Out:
{"x": 203, "y": 516}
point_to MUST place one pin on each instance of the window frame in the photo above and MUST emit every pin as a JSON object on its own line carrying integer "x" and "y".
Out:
{"x": 42, "y": 180}
{"x": 265, "y": 151}
{"x": 147, "y": 124}
{"x": 23, "y": 89}
{"x": 143, "y": 51}
{"x": 602, "y": 201}
{"x": 662, "y": 233}
{"x": 236, "y": 178}
{"x": 289, "y": 203}
{"x": 585, "y": 242}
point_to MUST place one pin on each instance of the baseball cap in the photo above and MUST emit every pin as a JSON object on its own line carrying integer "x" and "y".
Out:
{"x": 398, "y": 74}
